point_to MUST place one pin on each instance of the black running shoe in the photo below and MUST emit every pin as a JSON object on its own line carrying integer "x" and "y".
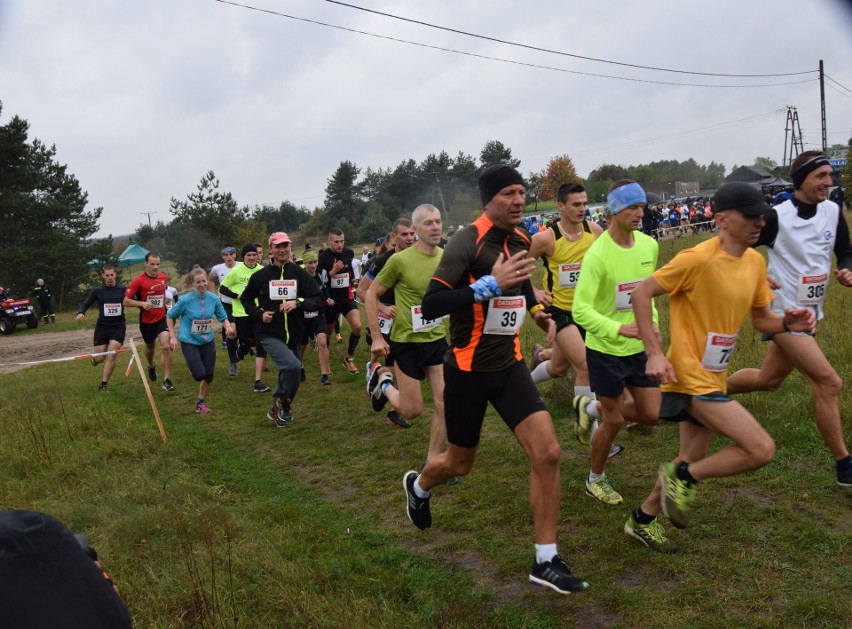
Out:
{"x": 844, "y": 479}
{"x": 325, "y": 379}
{"x": 378, "y": 397}
{"x": 556, "y": 575}
{"x": 260, "y": 387}
{"x": 417, "y": 508}
{"x": 102, "y": 387}
{"x": 152, "y": 373}
{"x": 285, "y": 415}
{"x": 167, "y": 385}
{"x": 395, "y": 419}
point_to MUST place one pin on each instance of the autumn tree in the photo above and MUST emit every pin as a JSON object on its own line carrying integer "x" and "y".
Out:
{"x": 560, "y": 169}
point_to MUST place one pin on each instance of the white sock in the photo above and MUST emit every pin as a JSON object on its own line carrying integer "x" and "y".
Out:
{"x": 545, "y": 552}
{"x": 419, "y": 491}
{"x": 592, "y": 409}
{"x": 540, "y": 374}
{"x": 583, "y": 390}
{"x": 594, "y": 478}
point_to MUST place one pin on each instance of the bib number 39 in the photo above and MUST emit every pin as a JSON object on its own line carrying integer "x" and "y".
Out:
{"x": 505, "y": 315}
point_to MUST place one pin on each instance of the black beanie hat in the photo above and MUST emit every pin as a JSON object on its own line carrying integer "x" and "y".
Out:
{"x": 495, "y": 178}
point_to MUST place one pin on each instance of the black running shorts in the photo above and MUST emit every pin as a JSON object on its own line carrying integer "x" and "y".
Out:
{"x": 411, "y": 358}
{"x": 106, "y": 333}
{"x": 608, "y": 375}
{"x": 150, "y": 331}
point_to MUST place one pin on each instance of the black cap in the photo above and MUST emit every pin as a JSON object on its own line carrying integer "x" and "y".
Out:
{"x": 740, "y": 196}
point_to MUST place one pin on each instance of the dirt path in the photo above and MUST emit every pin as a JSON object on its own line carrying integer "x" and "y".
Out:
{"x": 23, "y": 348}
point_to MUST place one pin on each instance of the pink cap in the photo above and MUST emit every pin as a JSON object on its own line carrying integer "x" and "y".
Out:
{"x": 278, "y": 237}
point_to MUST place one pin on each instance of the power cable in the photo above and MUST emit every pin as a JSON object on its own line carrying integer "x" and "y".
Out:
{"x": 511, "y": 61}
{"x": 838, "y": 84}
{"x": 557, "y": 52}
{"x": 849, "y": 96}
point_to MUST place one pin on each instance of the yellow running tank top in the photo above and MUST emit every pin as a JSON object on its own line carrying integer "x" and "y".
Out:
{"x": 562, "y": 269}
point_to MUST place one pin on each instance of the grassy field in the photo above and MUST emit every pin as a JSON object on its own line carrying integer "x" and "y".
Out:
{"x": 234, "y": 523}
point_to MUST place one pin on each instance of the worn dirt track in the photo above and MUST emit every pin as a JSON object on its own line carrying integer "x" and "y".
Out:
{"x": 17, "y": 348}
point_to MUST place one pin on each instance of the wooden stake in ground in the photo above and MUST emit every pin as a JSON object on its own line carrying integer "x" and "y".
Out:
{"x": 147, "y": 389}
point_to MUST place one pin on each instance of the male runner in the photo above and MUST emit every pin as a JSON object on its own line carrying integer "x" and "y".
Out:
{"x": 613, "y": 266}
{"x": 279, "y": 290}
{"x": 147, "y": 291}
{"x": 800, "y": 235}
{"x": 336, "y": 262}
{"x": 712, "y": 289}
{"x": 111, "y": 326}
{"x": 217, "y": 275}
{"x": 483, "y": 281}
{"x": 315, "y": 323}
{"x": 402, "y": 237}
{"x": 418, "y": 346}
{"x": 233, "y": 285}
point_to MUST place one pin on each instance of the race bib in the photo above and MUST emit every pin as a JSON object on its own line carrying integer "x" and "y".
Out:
{"x": 112, "y": 310}
{"x": 505, "y": 315}
{"x": 282, "y": 290}
{"x": 201, "y": 326}
{"x": 156, "y": 301}
{"x": 385, "y": 323}
{"x": 341, "y": 280}
{"x": 624, "y": 295}
{"x": 811, "y": 291}
{"x": 569, "y": 274}
{"x": 419, "y": 324}
{"x": 718, "y": 351}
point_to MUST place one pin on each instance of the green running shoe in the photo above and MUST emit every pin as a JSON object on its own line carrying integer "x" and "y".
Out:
{"x": 583, "y": 424}
{"x": 602, "y": 490}
{"x": 651, "y": 534}
{"x": 677, "y": 495}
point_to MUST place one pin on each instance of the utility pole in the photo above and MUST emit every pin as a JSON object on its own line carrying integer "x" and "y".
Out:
{"x": 822, "y": 106}
{"x": 440, "y": 193}
{"x": 149, "y": 218}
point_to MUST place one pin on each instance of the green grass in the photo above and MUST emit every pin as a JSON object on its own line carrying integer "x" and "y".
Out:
{"x": 236, "y": 523}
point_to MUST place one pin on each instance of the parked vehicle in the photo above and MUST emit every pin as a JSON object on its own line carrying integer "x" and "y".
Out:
{"x": 15, "y": 311}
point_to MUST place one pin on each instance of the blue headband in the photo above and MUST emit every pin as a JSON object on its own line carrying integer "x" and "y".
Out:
{"x": 625, "y": 196}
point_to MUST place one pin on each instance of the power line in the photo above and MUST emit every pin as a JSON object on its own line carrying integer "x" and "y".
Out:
{"x": 511, "y": 61}
{"x": 841, "y": 93}
{"x": 836, "y": 83}
{"x": 557, "y": 52}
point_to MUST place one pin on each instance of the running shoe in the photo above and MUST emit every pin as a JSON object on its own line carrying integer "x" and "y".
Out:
{"x": 583, "y": 424}
{"x": 272, "y": 413}
{"x": 285, "y": 415}
{"x": 677, "y": 495}
{"x": 102, "y": 387}
{"x": 602, "y": 490}
{"x": 201, "y": 407}
{"x": 556, "y": 575}
{"x": 378, "y": 397}
{"x": 167, "y": 385}
{"x": 232, "y": 370}
{"x": 325, "y": 379}
{"x": 372, "y": 376}
{"x": 395, "y": 419}
{"x": 349, "y": 364}
{"x": 416, "y": 508}
{"x": 224, "y": 345}
{"x": 536, "y": 356}
{"x": 260, "y": 387}
{"x": 651, "y": 534}
{"x": 152, "y": 373}
{"x": 844, "y": 480}
{"x": 338, "y": 338}
{"x": 615, "y": 449}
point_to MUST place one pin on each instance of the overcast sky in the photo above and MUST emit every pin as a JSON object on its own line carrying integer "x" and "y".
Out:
{"x": 141, "y": 97}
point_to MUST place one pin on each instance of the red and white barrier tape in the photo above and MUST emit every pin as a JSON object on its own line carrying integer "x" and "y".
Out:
{"x": 66, "y": 359}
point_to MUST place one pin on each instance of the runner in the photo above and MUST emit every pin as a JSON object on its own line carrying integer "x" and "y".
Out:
{"x": 315, "y": 324}
{"x": 147, "y": 291}
{"x": 336, "y": 263}
{"x": 280, "y": 289}
{"x": 232, "y": 287}
{"x": 417, "y": 346}
{"x": 712, "y": 289}
{"x": 800, "y": 235}
{"x": 402, "y": 237}
{"x": 197, "y": 309}
{"x": 484, "y": 364}
{"x": 613, "y": 266}
{"x": 111, "y": 326}
{"x": 217, "y": 275}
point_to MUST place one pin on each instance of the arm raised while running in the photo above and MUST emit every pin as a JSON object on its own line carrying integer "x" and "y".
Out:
{"x": 799, "y": 320}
